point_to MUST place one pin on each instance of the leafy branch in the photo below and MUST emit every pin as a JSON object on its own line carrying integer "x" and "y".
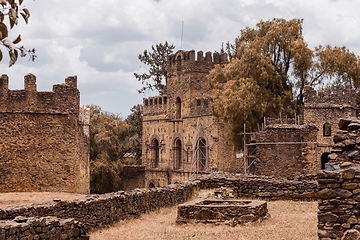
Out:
{"x": 11, "y": 10}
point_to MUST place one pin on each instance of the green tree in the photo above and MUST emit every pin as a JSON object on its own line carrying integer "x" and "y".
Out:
{"x": 156, "y": 60}
{"x": 10, "y": 10}
{"x": 134, "y": 121}
{"x": 109, "y": 142}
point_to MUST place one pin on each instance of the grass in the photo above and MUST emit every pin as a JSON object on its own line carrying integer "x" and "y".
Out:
{"x": 288, "y": 220}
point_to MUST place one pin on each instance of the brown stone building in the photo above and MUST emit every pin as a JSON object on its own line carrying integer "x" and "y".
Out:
{"x": 180, "y": 135}
{"x": 292, "y": 147}
{"x": 44, "y": 144}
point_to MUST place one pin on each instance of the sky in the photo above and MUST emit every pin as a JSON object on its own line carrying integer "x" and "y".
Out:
{"x": 99, "y": 41}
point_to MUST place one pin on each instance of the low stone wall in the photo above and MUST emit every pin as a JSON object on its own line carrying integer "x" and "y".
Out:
{"x": 339, "y": 202}
{"x": 95, "y": 210}
{"x": 262, "y": 187}
{"x": 42, "y": 228}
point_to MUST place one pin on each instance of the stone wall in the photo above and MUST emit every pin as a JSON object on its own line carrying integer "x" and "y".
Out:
{"x": 42, "y": 228}
{"x": 339, "y": 202}
{"x": 286, "y": 150}
{"x": 97, "y": 210}
{"x": 44, "y": 144}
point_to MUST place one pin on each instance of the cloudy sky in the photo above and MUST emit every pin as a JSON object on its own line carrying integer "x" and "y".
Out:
{"x": 99, "y": 41}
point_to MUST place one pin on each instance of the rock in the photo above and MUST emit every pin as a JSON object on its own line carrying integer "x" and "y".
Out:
{"x": 327, "y": 193}
{"x": 344, "y": 123}
{"x": 349, "y": 186}
{"x": 353, "y": 126}
{"x": 339, "y": 137}
{"x": 332, "y": 166}
{"x": 332, "y": 156}
{"x": 345, "y": 164}
{"x": 349, "y": 143}
{"x": 351, "y": 234}
{"x": 348, "y": 174}
{"x": 352, "y": 154}
{"x": 328, "y": 218}
{"x": 344, "y": 193}
{"x": 352, "y": 220}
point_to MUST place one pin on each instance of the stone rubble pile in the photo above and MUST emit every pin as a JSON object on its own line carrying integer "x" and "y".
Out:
{"x": 346, "y": 149}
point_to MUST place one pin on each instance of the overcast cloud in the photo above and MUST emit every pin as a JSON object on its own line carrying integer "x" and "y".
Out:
{"x": 99, "y": 41}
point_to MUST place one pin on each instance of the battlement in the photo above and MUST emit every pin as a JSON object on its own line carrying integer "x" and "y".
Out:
{"x": 155, "y": 105}
{"x": 342, "y": 99}
{"x": 64, "y": 99}
{"x": 181, "y": 58}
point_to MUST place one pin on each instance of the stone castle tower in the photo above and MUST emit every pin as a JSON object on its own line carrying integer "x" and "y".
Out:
{"x": 44, "y": 144}
{"x": 180, "y": 135}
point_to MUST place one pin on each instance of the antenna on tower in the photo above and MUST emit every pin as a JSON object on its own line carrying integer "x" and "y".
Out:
{"x": 182, "y": 34}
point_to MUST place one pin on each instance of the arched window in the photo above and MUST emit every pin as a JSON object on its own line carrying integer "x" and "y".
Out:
{"x": 177, "y": 154}
{"x": 178, "y": 108}
{"x": 327, "y": 129}
{"x": 155, "y": 153}
{"x": 201, "y": 155}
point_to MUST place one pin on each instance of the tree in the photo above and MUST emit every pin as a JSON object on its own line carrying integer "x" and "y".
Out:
{"x": 268, "y": 70}
{"x": 259, "y": 75}
{"x": 135, "y": 120}
{"x": 109, "y": 142}
{"x": 11, "y": 9}
{"x": 156, "y": 77}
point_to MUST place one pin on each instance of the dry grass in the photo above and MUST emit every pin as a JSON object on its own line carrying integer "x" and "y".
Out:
{"x": 27, "y": 198}
{"x": 289, "y": 220}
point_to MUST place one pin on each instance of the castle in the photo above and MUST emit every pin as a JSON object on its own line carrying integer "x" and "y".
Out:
{"x": 180, "y": 135}
{"x": 44, "y": 144}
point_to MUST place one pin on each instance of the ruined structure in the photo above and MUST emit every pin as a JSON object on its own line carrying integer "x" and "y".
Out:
{"x": 180, "y": 135}
{"x": 292, "y": 147}
{"x": 44, "y": 144}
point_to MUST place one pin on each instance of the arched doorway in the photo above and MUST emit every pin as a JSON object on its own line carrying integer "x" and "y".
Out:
{"x": 155, "y": 155}
{"x": 201, "y": 155}
{"x": 177, "y": 154}
{"x": 178, "y": 108}
{"x": 324, "y": 160}
{"x": 151, "y": 185}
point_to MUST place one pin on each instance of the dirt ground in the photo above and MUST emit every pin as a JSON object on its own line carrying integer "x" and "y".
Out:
{"x": 28, "y": 198}
{"x": 288, "y": 220}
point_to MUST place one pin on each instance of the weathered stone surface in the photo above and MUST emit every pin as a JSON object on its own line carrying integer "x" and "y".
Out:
{"x": 352, "y": 154}
{"x": 332, "y": 156}
{"x": 339, "y": 137}
{"x": 344, "y": 123}
{"x": 350, "y": 186}
{"x": 328, "y": 217}
{"x": 351, "y": 234}
{"x": 45, "y": 137}
{"x": 348, "y": 174}
{"x": 353, "y": 126}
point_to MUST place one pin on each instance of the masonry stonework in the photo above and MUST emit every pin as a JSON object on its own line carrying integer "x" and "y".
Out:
{"x": 44, "y": 144}
{"x": 180, "y": 135}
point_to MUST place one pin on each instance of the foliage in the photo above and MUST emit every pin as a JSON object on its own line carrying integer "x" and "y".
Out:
{"x": 256, "y": 82}
{"x": 109, "y": 142}
{"x": 156, "y": 60}
{"x": 268, "y": 70}
{"x": 134, "y": 120}
{"x": 11, "y": 9}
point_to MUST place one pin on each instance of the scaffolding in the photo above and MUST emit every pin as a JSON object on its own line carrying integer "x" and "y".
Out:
{"x": 201, "y": 148}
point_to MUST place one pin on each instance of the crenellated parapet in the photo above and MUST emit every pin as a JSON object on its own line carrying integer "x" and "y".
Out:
{"x": 183, "y": 60}
{"x": 155, "y": 105}
{"x": 346, "y": 98}
{"x": 64, "y": 99}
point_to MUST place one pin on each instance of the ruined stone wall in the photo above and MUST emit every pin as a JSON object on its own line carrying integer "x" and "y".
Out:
{"x": 287, "y": 150}
{"x": 339, "y": 202}
{"x": 98, "y": 210}
{"x": 321, "y": 108}
{"x": 42, "y": 228}
{"x": 44, "y": 144}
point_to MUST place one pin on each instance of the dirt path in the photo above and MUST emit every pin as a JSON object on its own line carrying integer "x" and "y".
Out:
{"x": 28, "y": 198}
